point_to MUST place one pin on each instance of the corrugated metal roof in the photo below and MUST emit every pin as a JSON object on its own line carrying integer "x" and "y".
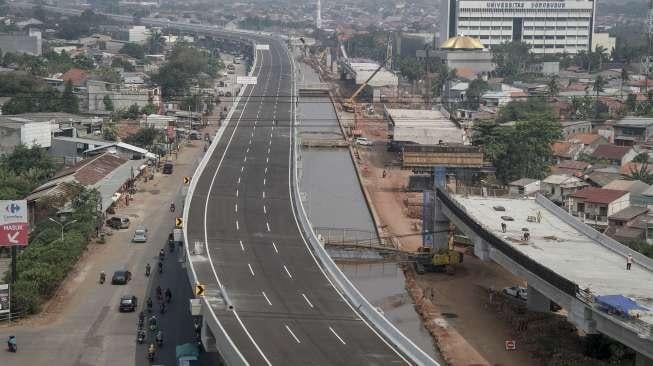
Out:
{"x": 599, "y": 195}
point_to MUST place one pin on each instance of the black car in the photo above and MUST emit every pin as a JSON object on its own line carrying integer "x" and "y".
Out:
{"x": 128, "y": 303}
{"x": 118, "y": 222}
{"x": 167, "y": 168}
{"x": 121, "y": 277}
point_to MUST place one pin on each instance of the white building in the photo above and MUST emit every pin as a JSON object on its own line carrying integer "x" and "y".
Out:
{"x": 426, "y": 127}
{"x": 549, "y": 26}
{"x": 604, "y": 40}
{"x": 139, "y": 34}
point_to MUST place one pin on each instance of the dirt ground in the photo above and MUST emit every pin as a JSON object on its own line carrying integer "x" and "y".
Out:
{"x": 470, "y": 332}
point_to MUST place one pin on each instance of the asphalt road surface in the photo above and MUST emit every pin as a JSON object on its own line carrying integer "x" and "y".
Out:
{"x": 286, "y": 312}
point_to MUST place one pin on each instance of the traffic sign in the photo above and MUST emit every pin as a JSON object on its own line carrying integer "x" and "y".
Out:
{"x": 179, "y": 222}
{"x": 199, "y": 289}
{"x": 246, "y": 80}
{"x": 263, "y": 47}
{"x": 13, "y": 223}
{"x": 186, "y": 180}
{"x": 511, "y": 345}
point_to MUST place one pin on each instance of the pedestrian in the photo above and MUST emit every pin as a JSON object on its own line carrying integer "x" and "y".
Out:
{"x": 384, "y": 173}
{"x": 629, "y": 262}
{"x": 503, "y": 227}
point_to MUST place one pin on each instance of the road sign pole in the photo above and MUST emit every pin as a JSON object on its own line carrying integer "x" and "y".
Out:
{"x": 14, "y": 265}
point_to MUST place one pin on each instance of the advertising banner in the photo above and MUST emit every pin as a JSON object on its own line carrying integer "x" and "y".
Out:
{"x": 5, "y": 303}
{"x": 13, "y": 222}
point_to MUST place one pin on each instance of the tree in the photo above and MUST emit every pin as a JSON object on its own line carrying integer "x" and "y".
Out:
{"x": 474, "y": 91}
{"x": 156, "y": 42}
{"x": 149, "y": 109}
{"x": 553, "y": 89}
{"x": 132, "y": 112}
{"x": 518, "y": 110}
{"x": 144, "y": 137}
{"x": 641, "y": 158}
{"x": 109, "y": 75}
{"x": 522, "y": 150}
{"x": 598, "y": 87}
{"x": 134, "y": 50}
{"x": 69, "y": 101}
{"x": 109, "y": 132}
{"x": 624, "y": 77}
{"x": 511, "y": 58}
{"x": 641, "y": 173}
{"x": 108, "y": 103}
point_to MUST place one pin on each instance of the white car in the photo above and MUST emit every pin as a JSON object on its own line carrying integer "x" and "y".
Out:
{"x": 517, "y": 292}
{"x": 363, "y": 141}
{"x": 140, "y": 235}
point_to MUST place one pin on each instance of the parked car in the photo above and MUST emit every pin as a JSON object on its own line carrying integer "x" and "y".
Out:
{"x": 121, "y": 277}
{"x": 517, "y": 292}
{"x": 363, "y": 141}
{"x": 117, "y": 222}
{"x": 140, "y": 235}
{"x": 167, "y": 168}
{"x": 128, "y": 303}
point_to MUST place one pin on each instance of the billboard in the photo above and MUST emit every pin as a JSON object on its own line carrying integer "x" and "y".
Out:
{"x": 13, "y": 222}
{"x": 5, "y": 303}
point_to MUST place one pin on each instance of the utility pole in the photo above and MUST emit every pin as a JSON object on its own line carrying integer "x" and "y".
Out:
{"x": 62, "y": 225}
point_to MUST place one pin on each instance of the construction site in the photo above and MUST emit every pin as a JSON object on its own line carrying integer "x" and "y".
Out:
{"x": 394, "y": 139}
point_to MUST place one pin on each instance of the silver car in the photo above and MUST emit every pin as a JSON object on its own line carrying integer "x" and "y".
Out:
{"x": 140, "y": 235}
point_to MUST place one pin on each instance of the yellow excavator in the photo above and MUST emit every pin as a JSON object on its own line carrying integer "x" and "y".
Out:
{"x": 349, "y": 104}
{"x": 439, "y": 261}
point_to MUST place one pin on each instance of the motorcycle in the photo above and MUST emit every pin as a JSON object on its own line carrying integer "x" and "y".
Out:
{"x": 103, "y": 277}
{"x": 141, "y": 336}
{"x": 160, "y": 267}
{"x": 159, "y": 339}
{"x": 147, "y": 270}
{"x": 11, "y": 344}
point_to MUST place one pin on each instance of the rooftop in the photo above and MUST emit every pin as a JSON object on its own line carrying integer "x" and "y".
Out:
{"x": 641, "y": 122}
{"x": 462, "y": 43}
{"x": 585, "y": 138}
{"x": 523, "y": 182}
{"x": 599, "y": 195}
{"x": 560, "y": 247}
{"x": 564, "y": 180}
{"x": 610, "y": 152}
{"x": 628, "y": 213}
{"x": 632, "y": 186}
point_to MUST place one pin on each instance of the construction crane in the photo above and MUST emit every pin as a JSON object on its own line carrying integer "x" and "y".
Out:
{"x": 349, "y": 104}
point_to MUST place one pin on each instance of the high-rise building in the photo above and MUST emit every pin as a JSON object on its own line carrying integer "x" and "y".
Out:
{"x": 549, "y": 26}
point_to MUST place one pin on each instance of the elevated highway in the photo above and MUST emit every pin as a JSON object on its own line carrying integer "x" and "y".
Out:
{"x": 564, "y": 261}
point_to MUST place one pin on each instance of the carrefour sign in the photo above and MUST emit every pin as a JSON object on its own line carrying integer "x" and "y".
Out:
{"x": 525, "y": 5}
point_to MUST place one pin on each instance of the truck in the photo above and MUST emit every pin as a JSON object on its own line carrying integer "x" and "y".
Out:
{"x": 443, "y": 260}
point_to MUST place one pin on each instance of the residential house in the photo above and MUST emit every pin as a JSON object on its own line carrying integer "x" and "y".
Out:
{"x": 523, "y": 186}
{"x": 558, "y": 187}
{"x": 502, "y": 97}
{"x": 574, "y": 168}
{"x": 77, "y": 77}
{"x": 570, "y": 128}
{"x": 588, "y": 141}
{"x": 563, "y": 150}
{"x": 30, "y": 43}
{"x": 626, "y": 225}
{"x": 633, "y": 131}
{"x": 18, "y": 130}
{"x": 614, "y": 155}
{"x": 602, "y": 177}
{"x": 121, "y": 97}
{"x": 594, "y": 205}
{"x": 636, "y": 188}
{"x": 158, "y": 121}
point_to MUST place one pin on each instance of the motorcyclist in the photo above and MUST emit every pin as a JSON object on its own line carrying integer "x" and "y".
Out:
{"x": 103, "y": 277}
{"x": 197, "y": 327}
{"x": 162, "y": 254}
{"x": 168, "y": 295}
{"x": 11, "y": 343}
{"x": 151, "y": 351}
{"x": 172, "y": 207}
{"x": 153, "y": 323}
{"x": 147, "y": 270}
{"x": 158, "y": 291}
{"x": 149, "y": 304}
{"x": 159, "y": 338}
{"x": 160, "y": 267}
{"x": 141, "y": 336}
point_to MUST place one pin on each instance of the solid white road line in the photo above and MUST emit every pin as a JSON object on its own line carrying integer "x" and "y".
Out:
{"x": 265, "y": 210}
{"x": 250, "y": 269}
{"x": 307, "y": 301}
{"x": 337, "y": 336}
{"x": 237, "y": 227}
{"x": 267, "y": 224}
{"x": 275, "y": 248}
{"x": 293, "y": 334}
{"x": 242, "y": 247}
{"x": 287, "y": 271}
{"x": 266, "y": 298}
{"x": 235, "y": 207}
{"x": 236, "y": 193}
{"x": 263, "y": 181}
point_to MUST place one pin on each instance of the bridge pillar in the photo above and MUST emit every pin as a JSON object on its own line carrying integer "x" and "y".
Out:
{"x": 537, "y": 301}
{"x": 440, "y": 227}
{"x": 208, "y": 338}
{"x": 481, "y": 248}
{"x": 642, "y": 360}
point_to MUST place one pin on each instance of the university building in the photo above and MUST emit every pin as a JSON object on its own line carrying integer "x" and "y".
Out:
{"x": 549, "y": 26}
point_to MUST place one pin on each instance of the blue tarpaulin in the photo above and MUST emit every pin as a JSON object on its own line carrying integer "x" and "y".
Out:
{"x": 619, "y": 302}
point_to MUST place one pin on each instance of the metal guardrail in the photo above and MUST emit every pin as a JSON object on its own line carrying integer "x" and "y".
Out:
{"x": 356, "y": 299}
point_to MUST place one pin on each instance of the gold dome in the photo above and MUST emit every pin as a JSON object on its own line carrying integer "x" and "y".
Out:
{"x": 462, "y": 43}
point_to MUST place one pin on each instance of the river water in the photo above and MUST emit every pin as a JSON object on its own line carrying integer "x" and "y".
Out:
{"x": 333, "y": 199}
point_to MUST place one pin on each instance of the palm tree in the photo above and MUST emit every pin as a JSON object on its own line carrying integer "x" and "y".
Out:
{"x": 553, "y": 89}
{"x": 624, "y": 77}
{"x": 600, "y": 53}
{"x": 598, "y": 87}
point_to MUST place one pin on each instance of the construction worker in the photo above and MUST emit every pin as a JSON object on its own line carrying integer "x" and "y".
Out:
{"x": 503, "y": 227}
{"x": 629, "y": 262}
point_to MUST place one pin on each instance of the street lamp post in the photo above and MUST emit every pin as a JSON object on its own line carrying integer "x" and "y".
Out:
{"x": 62, "y": 225}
